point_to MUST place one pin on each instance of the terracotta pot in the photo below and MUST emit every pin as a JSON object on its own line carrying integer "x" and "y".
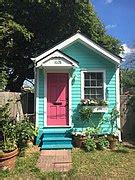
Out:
{"x": 29, "y": 143}
{"x": 79, "y": 140}
{"x": 112, "y": 144}
{"x": 8, "y": 159}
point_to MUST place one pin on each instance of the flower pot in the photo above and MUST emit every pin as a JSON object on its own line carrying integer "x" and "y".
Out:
{"x": 29, "y": 143}
{"x": 79, "y": 141}
{"x": 8, "y": 159}
{"x": 112, "y": 144}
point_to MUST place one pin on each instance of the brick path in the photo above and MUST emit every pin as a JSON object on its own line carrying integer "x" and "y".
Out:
{"x": 55, "y": 160}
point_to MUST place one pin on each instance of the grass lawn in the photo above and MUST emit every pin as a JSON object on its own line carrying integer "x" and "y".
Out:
{"x": 95, "y": 165}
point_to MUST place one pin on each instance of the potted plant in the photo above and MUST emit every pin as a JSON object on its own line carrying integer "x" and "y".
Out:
{"x": 113, "y": 136}
{"x": 85, "y": 114}
{"x": 8, "y": 139}
{"x": 26, "y": 132}
{"x": 98, "y": 105}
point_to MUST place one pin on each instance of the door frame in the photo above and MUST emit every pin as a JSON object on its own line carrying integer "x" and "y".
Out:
{"x": 70, "y": 97}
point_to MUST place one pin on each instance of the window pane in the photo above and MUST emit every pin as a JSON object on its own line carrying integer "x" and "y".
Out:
{"x": 100, "y": 91}
{"x": 86, "y": 75}
{"x": 93, "y": 83}
{"x": 99, "y": 97}
{"x": 93, "y": 96}
{"x": 86, "y": 96}
{"x": 87, "y": 83}
{"x": 86, "y": 91}
{"x": 93, "y": 91}
{"x": 99, "y": 82}
{"x": 99, "y": 75}
{"x": 93, "y": 75}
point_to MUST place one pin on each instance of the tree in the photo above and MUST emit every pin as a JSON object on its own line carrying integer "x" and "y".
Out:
{"x": 128, "y": 80}
{"x": 8, "y": 31}
{"x": 50, "y": 22}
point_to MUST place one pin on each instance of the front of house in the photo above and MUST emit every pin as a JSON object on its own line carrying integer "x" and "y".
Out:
{"x": 75, "y": 69}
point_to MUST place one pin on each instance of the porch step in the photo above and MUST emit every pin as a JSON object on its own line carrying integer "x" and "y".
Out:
{"x": 56, "y": 138}
{"x": 57, "y": 146}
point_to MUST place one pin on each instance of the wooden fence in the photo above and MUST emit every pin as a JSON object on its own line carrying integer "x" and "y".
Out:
{"x": 127, "y": 117}
{"x": 20, "y": 103}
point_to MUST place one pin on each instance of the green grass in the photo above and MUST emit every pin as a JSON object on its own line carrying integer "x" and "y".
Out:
{"x": 97, "y": 164}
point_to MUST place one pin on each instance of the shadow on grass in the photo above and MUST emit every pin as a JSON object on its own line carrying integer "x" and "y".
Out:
{"x": 122, "y": 150}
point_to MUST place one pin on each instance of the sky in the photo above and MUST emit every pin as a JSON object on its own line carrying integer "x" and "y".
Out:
{"x": 118, "y": 17}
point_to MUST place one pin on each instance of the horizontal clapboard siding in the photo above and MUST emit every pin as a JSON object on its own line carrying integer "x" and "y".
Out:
{"x": 41, "y": 99}
{"x": 88, "y": 59}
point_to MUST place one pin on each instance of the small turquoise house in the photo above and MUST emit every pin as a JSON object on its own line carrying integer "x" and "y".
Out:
{"x": 75, "y": 69}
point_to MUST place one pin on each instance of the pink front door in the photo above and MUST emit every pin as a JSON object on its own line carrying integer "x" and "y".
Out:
{"x": 57, "y": 99}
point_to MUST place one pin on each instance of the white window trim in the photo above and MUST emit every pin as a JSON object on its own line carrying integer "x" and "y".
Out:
{"x": 118, "y": 99}
{"x": 93, "y": 70}
{"x": 45, "y": 97}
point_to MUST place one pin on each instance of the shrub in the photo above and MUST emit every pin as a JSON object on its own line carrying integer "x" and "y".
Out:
{"x": 90, "y": 144}
{"x": 102, "y": 143}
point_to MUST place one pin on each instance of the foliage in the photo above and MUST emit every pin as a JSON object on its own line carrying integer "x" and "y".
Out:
{"x": 93, "y": 102}
{"x": 131, "y": 103}
{"x": 14, "y": 133}
{"x": 50, "y": 22}
{"x": 90, "y": 144}
{"x": 8, "y": 130}
{"x": 102, "y": 143}
{"x": 85, "y": 113}
{"x": 26, "y": 130}
{"x": 10, "y": 31}
{"x": 92, "y": 132}
{"x": 114, "y": 114}
{"x": 128, "y": 80}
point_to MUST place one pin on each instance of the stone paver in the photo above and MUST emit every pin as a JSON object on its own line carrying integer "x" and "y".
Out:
{"x": 55, "y": 160}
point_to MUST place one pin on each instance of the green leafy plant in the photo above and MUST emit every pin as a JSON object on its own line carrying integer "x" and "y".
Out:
{"x": 8, "y": 129}
{"x": 85, "y": 115}
{"x": 114, "y": 114}
{"x": 26, "y": 130}
{"x": 91, "y": 131}
{"x": 90, "y": 144}
{"x": 102, "y": 143}
{"x": 93, "y": 102}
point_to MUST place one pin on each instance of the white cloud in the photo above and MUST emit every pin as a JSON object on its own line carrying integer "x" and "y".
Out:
{"x": 128, "y": 50}
{"x": 111, "y": 26}
{"x": 128, "y": 57}
{"x": 108, "y": 1}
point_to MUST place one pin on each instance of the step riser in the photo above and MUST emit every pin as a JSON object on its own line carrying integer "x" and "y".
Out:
{"x": 53, "y": 135}
{"x": 59, "y": 146}
{"x": 57, "y": 142}
{"x": 56, "y": 139}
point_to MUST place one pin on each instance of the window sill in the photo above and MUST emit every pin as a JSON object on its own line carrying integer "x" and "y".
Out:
{"x": 98, "y": 109}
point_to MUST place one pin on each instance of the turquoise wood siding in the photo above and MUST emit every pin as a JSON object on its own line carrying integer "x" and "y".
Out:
{"x": 88, "y": 59}
{"x": 41, "y": 99}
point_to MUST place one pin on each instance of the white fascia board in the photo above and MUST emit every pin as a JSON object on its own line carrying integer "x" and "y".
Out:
{"x": 86, "y": 41}
{"x": 54, "y": 55}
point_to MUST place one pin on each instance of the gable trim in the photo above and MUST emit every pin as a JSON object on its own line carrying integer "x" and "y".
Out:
{"x": 57, "y": 55}
{"x": 86, "y": 41}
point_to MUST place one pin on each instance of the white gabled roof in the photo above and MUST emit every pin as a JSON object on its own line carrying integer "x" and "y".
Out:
{"x": 84, "y": 40}
{"x": 56, "y": 59}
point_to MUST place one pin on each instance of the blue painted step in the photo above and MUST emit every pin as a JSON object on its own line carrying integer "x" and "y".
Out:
{"x": 56, "y": 138}
{"x": 58, "y": 146}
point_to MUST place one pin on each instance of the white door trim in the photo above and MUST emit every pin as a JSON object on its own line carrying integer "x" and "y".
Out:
{"x": 70, "y": 97}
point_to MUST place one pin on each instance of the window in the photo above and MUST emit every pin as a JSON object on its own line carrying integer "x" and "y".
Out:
{"x": 93, "y": 85}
